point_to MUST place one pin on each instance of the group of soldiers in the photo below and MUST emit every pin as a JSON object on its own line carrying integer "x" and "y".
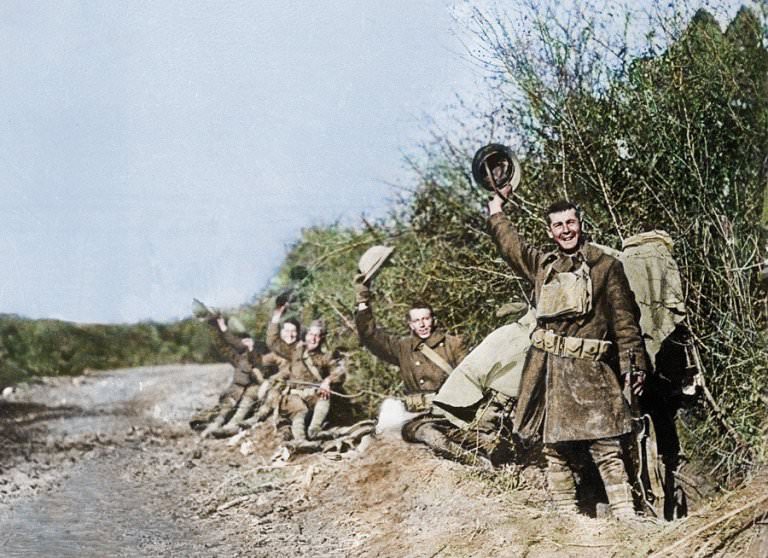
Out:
{"x": 584, "y": 366}
{"x": 293, "y": 379}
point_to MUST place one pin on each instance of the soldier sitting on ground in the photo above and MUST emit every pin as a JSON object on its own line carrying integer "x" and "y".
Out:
{"x": 312, "y": 374}
{"x": 426, "y": 356}
{"x": 243, "y": 391}
{"x": 270, "y": 391}
{"x": 260, "y": 398}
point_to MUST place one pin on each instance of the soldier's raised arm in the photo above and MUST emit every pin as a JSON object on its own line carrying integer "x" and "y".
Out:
{"x": 230, "y": 346}
{"x": 380, "y": 343}
{"x": 521, "y": 256}
{"x": 274, "y": 342}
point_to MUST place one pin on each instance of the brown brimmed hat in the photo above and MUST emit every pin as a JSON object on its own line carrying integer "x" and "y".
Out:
{"x": 372, "y": 260}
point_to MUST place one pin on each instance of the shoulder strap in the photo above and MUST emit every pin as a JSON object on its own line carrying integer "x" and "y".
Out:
{"x": 307, "y": 359}
{"x": 435, "y": 358}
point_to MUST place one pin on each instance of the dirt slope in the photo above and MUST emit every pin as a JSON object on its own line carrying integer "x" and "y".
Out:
{"x": 104, "y": 465}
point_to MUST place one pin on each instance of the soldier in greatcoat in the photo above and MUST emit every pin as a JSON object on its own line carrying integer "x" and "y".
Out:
{"x": 587, "y": 340}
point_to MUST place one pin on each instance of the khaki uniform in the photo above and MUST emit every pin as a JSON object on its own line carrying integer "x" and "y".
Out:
{"x": 244, "y": 362}
{"x": 566, "y": 393}
{"x": 565, "y": 398}
{"x": 419, "y": 373}
{"x": 304, "y": 366}
{"x": 245, "y": 381}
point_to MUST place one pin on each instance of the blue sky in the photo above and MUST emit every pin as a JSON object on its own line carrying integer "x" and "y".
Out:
{"x": 152, "y": 152}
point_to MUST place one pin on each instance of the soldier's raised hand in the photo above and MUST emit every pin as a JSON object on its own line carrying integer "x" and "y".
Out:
{"x": 497, "y": 201}
{"x": 277, "y": 314}
{"x": 362, "y": 289}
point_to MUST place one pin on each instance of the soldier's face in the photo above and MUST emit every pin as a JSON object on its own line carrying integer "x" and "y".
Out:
{"x": 565, "y": 230}
{"x": 288, "y": 333}
{"x": 248, "y": 342}
{"x": 421, "y": 322}
{"x": 313, "y": 338}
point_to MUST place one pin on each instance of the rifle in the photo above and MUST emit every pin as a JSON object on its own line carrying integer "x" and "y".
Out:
{"x": 644, "y": 452}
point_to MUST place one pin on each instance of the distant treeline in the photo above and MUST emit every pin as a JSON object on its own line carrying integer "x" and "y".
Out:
{"x": 31, "y": 348}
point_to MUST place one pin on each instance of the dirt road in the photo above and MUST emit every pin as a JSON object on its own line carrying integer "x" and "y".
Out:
{"x": 105, "y": 465}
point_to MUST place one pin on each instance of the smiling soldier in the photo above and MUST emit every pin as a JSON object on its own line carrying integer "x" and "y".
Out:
{"x": 426, "y": 356}
{"x": 587, "y": 337}
{"x": 312, "y": 373}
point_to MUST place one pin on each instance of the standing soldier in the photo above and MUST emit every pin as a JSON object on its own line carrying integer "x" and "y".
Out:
{"x": 426, "y": 357}
{"x": 312, "y": 374}
{"x": 587, "y": 335}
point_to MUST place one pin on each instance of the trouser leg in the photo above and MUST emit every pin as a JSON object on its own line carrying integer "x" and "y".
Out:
{"x": 226, "y": 404}
{"x": 297, "y": 426}
{"x": 606, "y": 453}
{"x": 297, "y": 411}
{"x": 244, "y": 406}
{"x": 319, "y": 414}
{"x": 560, "y": 481}
{"x": 269, "y": 401}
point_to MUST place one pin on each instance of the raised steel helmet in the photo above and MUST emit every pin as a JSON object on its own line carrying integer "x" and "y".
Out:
{"x": 496, "y": 166}
{"x": 372, "y": 260}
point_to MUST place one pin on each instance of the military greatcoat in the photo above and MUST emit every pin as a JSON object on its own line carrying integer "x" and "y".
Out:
{"x": 565, "y": 398}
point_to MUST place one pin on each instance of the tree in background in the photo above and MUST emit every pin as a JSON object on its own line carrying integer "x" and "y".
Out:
{"x": 661, "y": 129}
{"x": 649, "y": 119}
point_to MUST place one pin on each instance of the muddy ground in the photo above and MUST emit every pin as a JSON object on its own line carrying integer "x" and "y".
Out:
{"x": 105, "y": 465}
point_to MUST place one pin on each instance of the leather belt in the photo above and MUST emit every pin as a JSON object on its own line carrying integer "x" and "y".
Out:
{"x": 566, "y": 346}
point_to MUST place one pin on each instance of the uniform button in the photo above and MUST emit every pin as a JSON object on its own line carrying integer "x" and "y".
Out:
{"x": 421, "y": 381}
{"x": 417, "y": 363}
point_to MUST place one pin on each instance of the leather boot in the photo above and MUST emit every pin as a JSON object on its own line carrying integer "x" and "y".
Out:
{"x": 442, "y": 446}
{"x": 214, "y": 426}
{"x": 319, "y": 413}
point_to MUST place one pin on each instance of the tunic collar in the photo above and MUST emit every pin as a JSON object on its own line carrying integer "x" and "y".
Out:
{"x": 437, "y": 337}
{"x": 568, "y": 262}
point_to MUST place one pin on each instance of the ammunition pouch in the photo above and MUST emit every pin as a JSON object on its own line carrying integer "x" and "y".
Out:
{"x": 572, "y": 347}
{"x": 566, "y": 294}
{"x": 419, "y": 402}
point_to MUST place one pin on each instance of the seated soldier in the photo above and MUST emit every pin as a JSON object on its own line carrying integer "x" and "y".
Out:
{"x": 312, "y": 374}
{"x": 247, "y": 377}
{"x": 276, "y": 370}
{"x": 259, "y": 396}
{"x": 426, "y": 356}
